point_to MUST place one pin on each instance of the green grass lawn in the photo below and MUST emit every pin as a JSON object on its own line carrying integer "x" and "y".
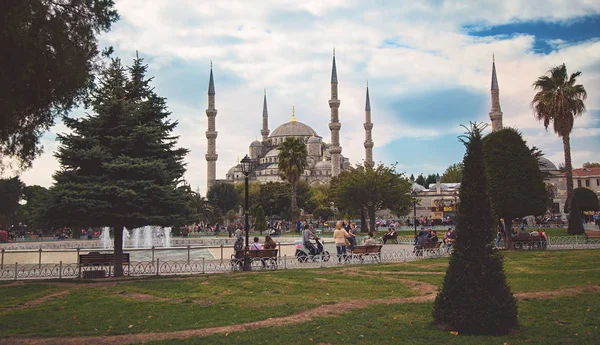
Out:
{"x": 167, "y": 304}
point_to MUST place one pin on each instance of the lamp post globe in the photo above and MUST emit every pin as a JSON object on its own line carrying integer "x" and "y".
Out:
{"x": 246, "y": 164}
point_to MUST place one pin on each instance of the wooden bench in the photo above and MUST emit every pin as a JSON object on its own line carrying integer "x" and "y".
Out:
{"x": 529, "y": 242}
{"x": 263, "y": 255}
{"x": 96, "y": 259}
{"x": 373, "y": 252}
{"x": 589, "y": 234}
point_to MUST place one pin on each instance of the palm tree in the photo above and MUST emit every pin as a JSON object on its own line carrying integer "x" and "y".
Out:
{"x": 559, "y": 100}
{"x": 292, "y": 161}
{"x": 204, "y": 209}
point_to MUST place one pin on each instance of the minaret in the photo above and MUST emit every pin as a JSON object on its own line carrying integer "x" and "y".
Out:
{"x": 211, "y": 135}
{"x": 265, "y": 124}
{"x": 496, "y": 113}
{"x": 368, "y": 127}
{"x": 334, "y": 125}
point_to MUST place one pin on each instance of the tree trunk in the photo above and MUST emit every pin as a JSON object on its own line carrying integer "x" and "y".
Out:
{"x": 363, "y": 221}
{"x": 118, "y": 250}
{"x": 568, "y": 171}
{"x": 294, "y": 203}
{"x": 508, "y": 219}
{"x": 371, "y": 211}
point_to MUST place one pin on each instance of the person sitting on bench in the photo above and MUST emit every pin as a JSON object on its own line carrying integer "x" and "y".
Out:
{"x": 370, "y": 241}
{"x": 390, "y": 235}
{"x": 255, "y": 245}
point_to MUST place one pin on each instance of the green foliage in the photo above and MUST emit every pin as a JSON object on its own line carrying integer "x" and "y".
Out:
{"x": 292, "y": 162}
{"x": 53, "y": 56}
{"x": 224, "y": 196}
{"x": 453, "y": 173}
{"x": 372, "y": 188}
{"x": 11, "y": 190}
{"x": 515, "y": 182}
{"x": 323, "y": 213}
{"x": 119, "y": 166}
{"x": 475, "y": 297}
{"x": 205, "y": 211}
{"x": 254, "y": 189}
{"x": 431, "y": 179}
{"x": 589, "y": 165}
{"x": 420, "y": 180}
{"x": 575, "y": 221}
{"x": 587, "y": 200}
{"x": 260, "y": 224}
{"x": 35, "y": 211}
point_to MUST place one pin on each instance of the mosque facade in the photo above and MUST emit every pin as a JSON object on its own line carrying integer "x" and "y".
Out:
{"x": 325, "y": 159}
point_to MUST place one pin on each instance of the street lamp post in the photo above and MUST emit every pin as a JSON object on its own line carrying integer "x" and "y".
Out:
{"x": 414, "y": 195}
{"x": 246, "y": 164}
{"x": 271, "y": 202}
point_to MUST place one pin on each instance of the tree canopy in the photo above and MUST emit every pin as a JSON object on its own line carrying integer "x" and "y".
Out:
{"x": 453, "y": 173}
{"x": 51, "y": 51}
{"x": 372, "y": 188}
{"x": 515, "y": 181}
{"x": 120, "y": 166}
{"x": 11, "y": 190}
{"x": 224, "y": 196}
{"x": 589, "y": 165}
{"x": 587, "y": 200}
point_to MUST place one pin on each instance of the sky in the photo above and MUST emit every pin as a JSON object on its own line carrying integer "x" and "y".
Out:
{"x": 428, "y": 66}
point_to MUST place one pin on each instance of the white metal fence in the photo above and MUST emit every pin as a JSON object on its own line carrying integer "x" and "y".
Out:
{"x": 192, "y": 264}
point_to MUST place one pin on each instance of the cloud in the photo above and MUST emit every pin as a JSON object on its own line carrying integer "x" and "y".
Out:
{"x": 420, "y": 58}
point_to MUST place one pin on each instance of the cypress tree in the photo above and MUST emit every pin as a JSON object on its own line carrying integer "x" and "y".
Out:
{"x": 260, "y": 223}
{"x": 119, "y": 166}
{"x": 475, "y": 297}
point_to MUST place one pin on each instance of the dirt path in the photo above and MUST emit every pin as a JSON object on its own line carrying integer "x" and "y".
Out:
{"x": 37, "y": 301}
{"x": 427, "y": 294}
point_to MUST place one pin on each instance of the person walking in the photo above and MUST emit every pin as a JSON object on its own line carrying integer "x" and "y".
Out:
{"x": 339, "y": 236}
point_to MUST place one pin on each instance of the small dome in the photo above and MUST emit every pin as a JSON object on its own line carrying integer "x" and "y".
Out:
{"x": 256, "y": 143}
{"x": 314, "y": 140}
{"x": 546, "y": 164}
{"x": 323, "y": 165}
{"x": 235, "y": 169}
{"x": 417, "y": 187}
{"x": 295, "y": 129}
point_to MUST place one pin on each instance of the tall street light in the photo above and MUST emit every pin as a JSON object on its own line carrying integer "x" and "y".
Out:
{"x": 246, "y": 164}
{"x": 414, "y": 195}
{"x": 271, "y": 203}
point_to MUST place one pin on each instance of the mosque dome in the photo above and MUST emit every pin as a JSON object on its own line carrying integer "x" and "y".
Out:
{"x": 323, "y": 165}
{"x": 294, "y": 128}
{"x": 256, "y": 143}
{"x": 272, "y": 153}
{"x": 546, "y": 164}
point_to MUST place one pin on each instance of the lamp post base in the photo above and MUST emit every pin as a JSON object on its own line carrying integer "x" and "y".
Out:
{"x": 247, "y": 266}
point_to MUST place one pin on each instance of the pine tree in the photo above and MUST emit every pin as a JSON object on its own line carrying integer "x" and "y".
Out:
{"x": 120, "y": 167}
{"x": 475, "y": 297}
